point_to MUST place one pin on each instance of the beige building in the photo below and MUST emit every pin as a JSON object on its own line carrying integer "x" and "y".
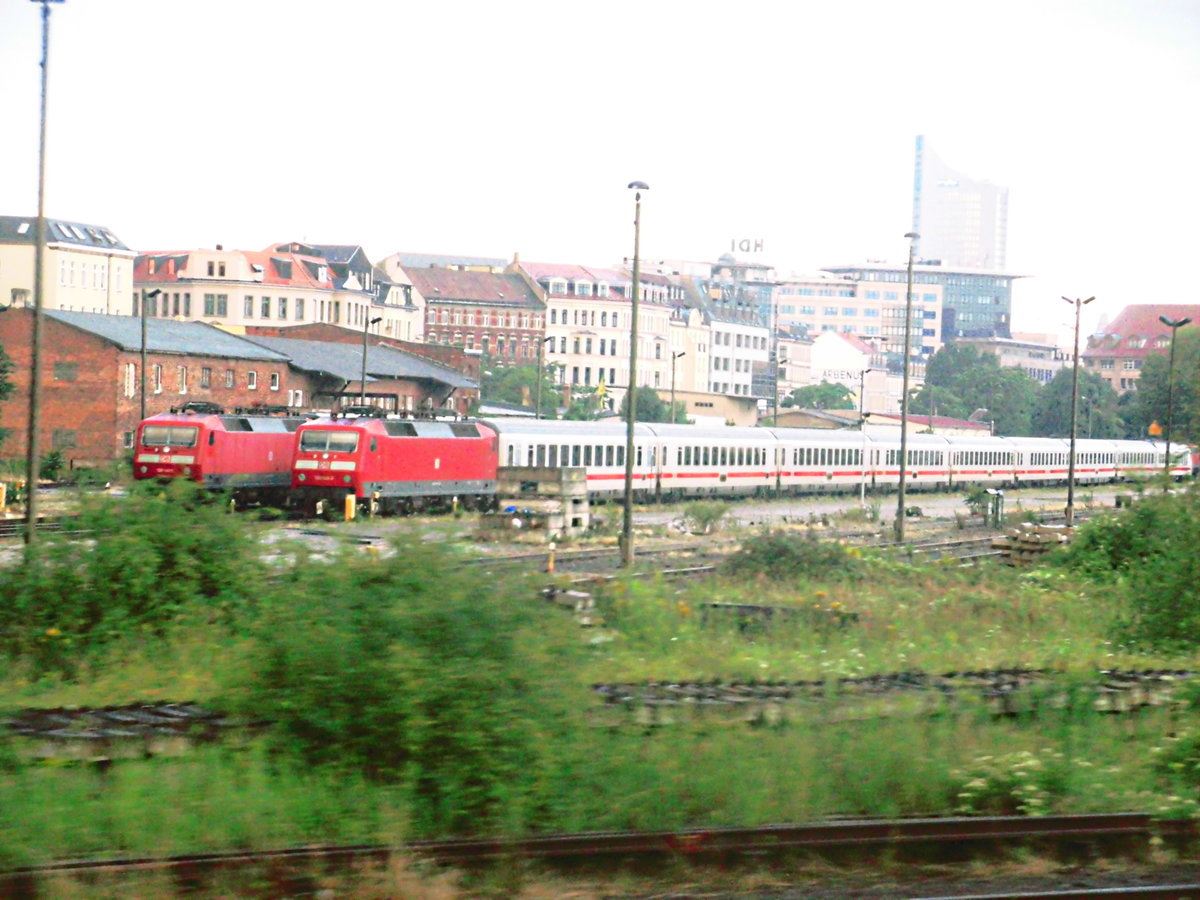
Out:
{"x": 867, "y": 309}
{"x": 280, "y": 286}
{"x": 85, "y": 268}
{"x": 1036, "y": 354}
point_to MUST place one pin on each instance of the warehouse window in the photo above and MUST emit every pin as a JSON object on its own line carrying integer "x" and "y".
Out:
{"x": 66, "y": 371}
{"x": 63, "y": 439}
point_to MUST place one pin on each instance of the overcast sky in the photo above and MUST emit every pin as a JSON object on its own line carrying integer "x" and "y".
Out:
{"x": 494, "y": 128}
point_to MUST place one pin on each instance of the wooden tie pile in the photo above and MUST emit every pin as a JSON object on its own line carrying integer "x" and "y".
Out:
{"x": 1028, "y": 542}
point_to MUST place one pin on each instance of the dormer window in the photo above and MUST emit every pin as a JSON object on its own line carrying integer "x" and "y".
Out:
{"x": 558, "y": 287}
{"x": 602, "y": 289}
{"x": 583, "y": 289}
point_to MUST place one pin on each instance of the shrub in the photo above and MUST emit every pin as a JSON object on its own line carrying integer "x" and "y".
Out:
{"x": 1149, "y": 550}
{"x": 782, "y": 555}
{"x": 126, "y": 566}
{"x": 704, "y": 516}
{"x": 1020, "y": 783}
{"x": 456, "y": 686}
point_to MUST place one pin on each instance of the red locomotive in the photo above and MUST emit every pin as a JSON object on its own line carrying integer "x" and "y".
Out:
{"x": 400, "y": 464}
{"x": 249, "y": 455}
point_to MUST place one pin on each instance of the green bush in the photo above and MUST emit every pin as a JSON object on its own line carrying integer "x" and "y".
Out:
{"x": 783, "y": 555}
{"x": 456, "y": 686}
{"x": 1149, "y": 552}
{"x": 704, "y": 516}
{"x": 125, "y": 567}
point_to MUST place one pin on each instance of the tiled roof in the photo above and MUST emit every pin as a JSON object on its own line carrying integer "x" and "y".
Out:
{"x": 276, "y": 267}
{"x": 456, "y": 286}
{"x": 23, "y": 230}
{"x": 1139, "y": 321}
{"x": 165, "y": 335}
{"x": 345, "y": 361}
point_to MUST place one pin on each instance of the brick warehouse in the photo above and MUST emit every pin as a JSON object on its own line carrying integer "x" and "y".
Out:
{"x": 91, "y": 378}
{"x": 91, "y": 382}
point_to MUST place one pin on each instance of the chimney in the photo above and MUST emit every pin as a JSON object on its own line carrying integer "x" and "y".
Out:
{"x": 219, "y": 247}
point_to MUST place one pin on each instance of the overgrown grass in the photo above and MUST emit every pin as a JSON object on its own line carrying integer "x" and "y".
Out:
{"x": 411, "y": 696}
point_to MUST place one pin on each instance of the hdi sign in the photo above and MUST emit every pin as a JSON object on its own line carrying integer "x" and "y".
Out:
{"x": 746, "y": 245}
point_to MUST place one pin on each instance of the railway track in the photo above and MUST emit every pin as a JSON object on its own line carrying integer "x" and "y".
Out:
{"x": 917, "y": 839}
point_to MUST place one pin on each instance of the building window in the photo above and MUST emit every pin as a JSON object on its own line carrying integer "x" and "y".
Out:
{"x": 157, "y": 371}
{"x": 183, "y": 379}
{"x": 131, "y": 384}
{"x": 252, "y": 380}
{"x": 299, "y": 311}
{"x": 283, "y": 307}
{"x": 1106, "y": 364}
{"x": 229, "y": 382}
{"x": 274, "y": 381}
{"x": 205, "y": 377}
{"x": 265, "y": 306}
{"x": 211, "y": 268}
{"x": 63, "y": 439}
{"x": 248, "y": 307}
{"x": 66, "y": 371}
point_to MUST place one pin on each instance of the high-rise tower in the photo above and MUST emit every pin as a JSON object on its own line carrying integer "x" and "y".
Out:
{"x": 961, "y": 221}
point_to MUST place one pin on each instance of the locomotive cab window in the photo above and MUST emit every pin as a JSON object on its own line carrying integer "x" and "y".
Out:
{"x": 318, "y": 440}
{"x": 171, "y": 435}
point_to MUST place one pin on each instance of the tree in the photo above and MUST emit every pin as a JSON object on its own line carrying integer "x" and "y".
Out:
{"x": 1151, "y": 403}
{"x": 650, "y": 407}
{"x": 1098, "y": 412}
{"x": 6, "y": 385}
{"x": 585, "y": 406}
{"x": 964, "y": 380}
{"x": 826, "y": 395}
{"x": 517, "y": 384}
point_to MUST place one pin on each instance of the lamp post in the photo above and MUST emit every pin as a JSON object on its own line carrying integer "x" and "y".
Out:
{"x": 1079, "y": 304}
{"x": 367, "y": 323}
{"x": 674, "y": 356}
{"x": 862, "y": 387}
{"x": 537, "y": 411}
{"x": 913, "y": 237}
{"x": 630, "y": 401}
{"x": 35, "y": 340}
{"x": 1174, "y": 325}
{"x": 146, "y": 295}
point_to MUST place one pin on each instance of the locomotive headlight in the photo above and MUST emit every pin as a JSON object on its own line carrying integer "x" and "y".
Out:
{"x": 301, "y": 477}
{"x": 346, "y": 479}
{"x": 143, "y": 470}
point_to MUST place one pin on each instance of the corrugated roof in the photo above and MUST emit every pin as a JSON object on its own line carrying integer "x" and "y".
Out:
{"x": 345, "y": 361}
{"x": 23, "y": 230}
{"x": 454, "y": 285}
{"x": 165, "y": 335}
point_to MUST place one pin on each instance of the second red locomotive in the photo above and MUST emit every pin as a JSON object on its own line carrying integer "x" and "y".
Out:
{"x": 399, "y": 465}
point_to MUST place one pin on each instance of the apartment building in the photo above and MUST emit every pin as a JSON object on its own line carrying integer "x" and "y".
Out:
{"x": 281, "y": 285}
{"x": 85, "y": 268}
{"x": 1116, "y": 354}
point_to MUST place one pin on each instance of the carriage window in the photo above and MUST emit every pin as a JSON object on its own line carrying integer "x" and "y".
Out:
{"x": 541, "y": 454}
{"x": 608, "y": 455}
{"x": 530, "y": 455}
{"x": 511, "y": 454}
{"x": 724, "y": 456}
{"x": 575, "y": 455}
{"x": 554, "y": 456}
{"x": 621, "y": 455}
{"x": 638, "y": 458}
{"x": 587, "y": 455}
{"x": 704, "y": 453}
{"x": 653, "y": 456}
{"x": 687, "y": 456}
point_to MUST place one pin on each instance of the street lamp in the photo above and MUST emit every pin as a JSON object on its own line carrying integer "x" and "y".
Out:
{"x": 1174, "y": 325}
{"x": 913, "y": 237}
{"x": 146, "y": 295}
{"x": 367, "y": 323}
{"x": 537, "y": 412}
{"x": 35, "y": 339}
{"x": 1079, "y": 304}
{"x": 631, "y": 399}
{"x": 674, "y": 356}
{"x": 862, "y": 387}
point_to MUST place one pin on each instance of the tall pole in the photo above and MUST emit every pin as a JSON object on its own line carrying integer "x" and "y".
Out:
{"x": 774, "y": 355}
{"x": 35, "y": 342}
{"x": 913, "y": 237}
{"x": 1174, "y": 325}
{"x": 367, "y": 323}
{"x": 145, "y": 295}
{"x": 631, "y": 396}
{"x": 537, "y": 412}
{"x": 674, "y": 356}
{"x": 1079, "y": 304}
